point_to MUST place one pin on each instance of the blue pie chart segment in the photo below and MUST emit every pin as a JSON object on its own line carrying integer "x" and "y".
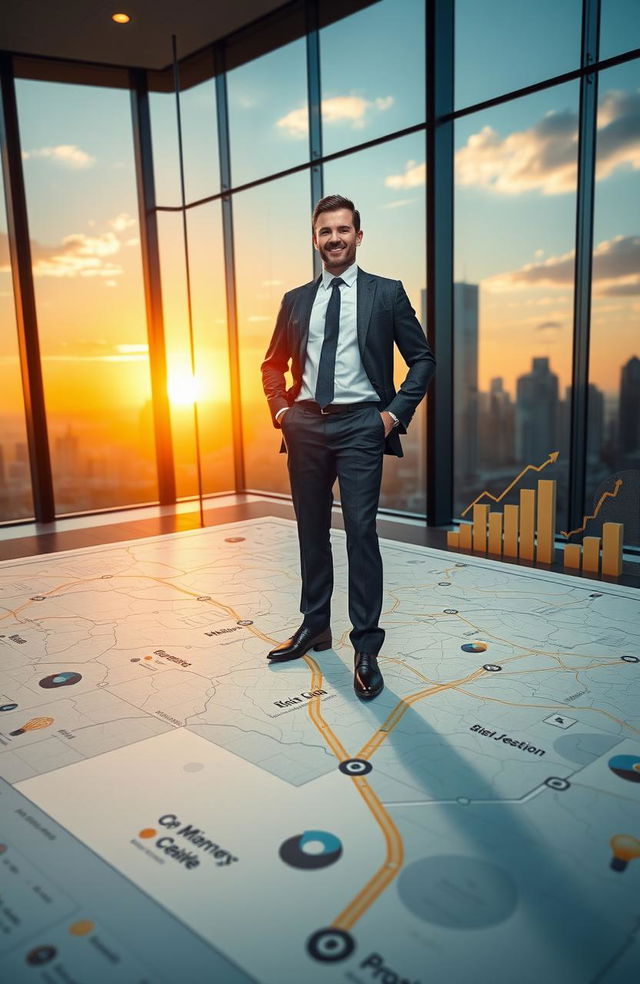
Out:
{"x": 66, "y": 679}
{"x": 626, "y": 766}
{"x": 312, "y": 849}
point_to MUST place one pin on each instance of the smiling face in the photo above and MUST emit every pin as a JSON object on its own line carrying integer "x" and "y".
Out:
{"x": 335, "y": 238}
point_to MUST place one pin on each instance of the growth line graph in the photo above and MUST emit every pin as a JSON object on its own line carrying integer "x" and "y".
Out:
{"x": 553, "y": 456}
{"x": 605, "y": 495}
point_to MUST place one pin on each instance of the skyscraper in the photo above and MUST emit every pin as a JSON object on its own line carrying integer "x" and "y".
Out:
{"x": 465, "y": 377}
{"x": 536, "y": 412}
{"x": 629, "y": 407}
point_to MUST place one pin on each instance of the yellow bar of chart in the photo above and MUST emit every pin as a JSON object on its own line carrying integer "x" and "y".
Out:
{"x": 546, "y": 525}
{"x": 465, "y": 536}
{"x": 572, "y": 555}
{"x": 527, "y": 523}
{"x": 495, "y": 533}
{"x": 612, "y": 537}
{"x": 587, "y": 554}
{"x": 480, "y": 520}
{"x": 511, "y": 525}
{"x": 591, "y": 554}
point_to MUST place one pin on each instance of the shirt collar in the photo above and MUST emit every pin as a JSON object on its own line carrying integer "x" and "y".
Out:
{"x": 349, "y": 276}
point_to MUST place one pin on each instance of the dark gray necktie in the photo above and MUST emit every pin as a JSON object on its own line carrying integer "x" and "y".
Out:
{"x": 327, "y": 365}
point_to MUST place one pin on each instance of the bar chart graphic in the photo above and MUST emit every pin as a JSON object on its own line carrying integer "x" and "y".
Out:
{"x": 527, "y": 531}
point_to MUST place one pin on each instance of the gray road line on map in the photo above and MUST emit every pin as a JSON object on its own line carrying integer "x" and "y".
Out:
{"x": 467, "y": 801}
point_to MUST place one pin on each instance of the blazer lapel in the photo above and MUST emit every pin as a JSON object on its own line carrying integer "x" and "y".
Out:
{"x": 366, "y": 293}
{"x": 303, "y": 314}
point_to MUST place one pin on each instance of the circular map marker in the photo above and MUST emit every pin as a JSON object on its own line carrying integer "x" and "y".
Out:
{"x": 233, "y": 539}
{"x": 329, "y": 945}
{"x": 355, "y": 767}
{"x": 474, "y": 647}
{"x": 451, "y": 611}
{"x": 555, "y": 782}
{"x": 245, "y": 621}
{"x": 444, "y": 584}
{"x": 491, "y": 667}
{"x": 630, "y": 659}
{"x": 38, "y": 598}
{"x": 313, "y": 849}
{"x": 60, "y": 680}
{"x": 8, "y": 707}
{"x": 204, "y": 598}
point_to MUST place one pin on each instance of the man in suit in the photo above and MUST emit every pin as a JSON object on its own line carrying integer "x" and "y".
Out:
{"x": 339, "y": 417}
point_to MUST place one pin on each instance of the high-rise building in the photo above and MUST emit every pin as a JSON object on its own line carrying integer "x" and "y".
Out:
{"x": 465, "y": 377}
{"x": 536, "y": 412}
{"x": 629, "y": 407}
{"x": 496, "y": 425}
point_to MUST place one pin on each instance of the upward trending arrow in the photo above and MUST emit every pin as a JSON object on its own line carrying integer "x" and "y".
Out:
{"x": 585, "y": 519}
{"x": 553, "y": 456}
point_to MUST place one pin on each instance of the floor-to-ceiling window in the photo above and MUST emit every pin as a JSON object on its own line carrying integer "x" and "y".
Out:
{"x": 85, "y": 249}
{"x": 15, "y": 478}
{"x": 514, "y": 224}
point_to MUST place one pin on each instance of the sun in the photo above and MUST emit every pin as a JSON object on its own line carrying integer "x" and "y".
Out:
{"x": 183, "y": 388}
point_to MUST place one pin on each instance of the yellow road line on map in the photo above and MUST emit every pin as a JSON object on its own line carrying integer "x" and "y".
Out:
{"x": 395, "y": 850}
{"x": 315, "y": 714}
{"x": 386, "y": 873}
{"x": 385, "y": 729}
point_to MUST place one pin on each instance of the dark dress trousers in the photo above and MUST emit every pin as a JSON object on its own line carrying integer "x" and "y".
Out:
{"x": 345, "y": 445}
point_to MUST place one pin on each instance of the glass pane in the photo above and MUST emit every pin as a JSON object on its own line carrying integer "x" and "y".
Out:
{"x": 268, "y": 115}
{"x": 372, "y": 72}
{"x": 208, "y": 300}
{"x": 614, "y": 357}
{"x": 15, "y": 476}
{"x": 502, "y": 45}
{"x": 81, "y": 196}
{"x": 387, "y": 186}
{"x": 619, "y": 27}
{"x": 272, "y": 228}
{"x": 164, "y": 142}
{"x": 515, "y": 172}
{"x": 200, "y": 141}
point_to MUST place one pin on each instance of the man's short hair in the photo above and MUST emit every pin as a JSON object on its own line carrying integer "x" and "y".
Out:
{"x": 331, "y": 204}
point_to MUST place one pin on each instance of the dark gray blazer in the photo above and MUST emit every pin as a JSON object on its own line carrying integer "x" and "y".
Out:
{"x": 385, "y": 317}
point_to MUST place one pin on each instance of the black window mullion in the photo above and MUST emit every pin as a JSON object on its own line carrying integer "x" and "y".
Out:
{"x": 24, "y": 297}
{"x": 583, "y": 262}
{"x": 439, "y": 299}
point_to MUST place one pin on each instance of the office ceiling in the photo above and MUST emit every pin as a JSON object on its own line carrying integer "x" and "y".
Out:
{"x": 83, "y": 30}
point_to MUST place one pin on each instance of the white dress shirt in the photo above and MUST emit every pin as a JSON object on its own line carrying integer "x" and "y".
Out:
{"x": 352, "y": 384}
{"x": 351, "y": 381}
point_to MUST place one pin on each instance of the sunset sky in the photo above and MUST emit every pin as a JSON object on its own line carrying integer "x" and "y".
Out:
{"x": 515, "y": 202}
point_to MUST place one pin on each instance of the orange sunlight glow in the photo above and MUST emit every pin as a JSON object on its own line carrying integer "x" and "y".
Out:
{"x": 183, "y": 388}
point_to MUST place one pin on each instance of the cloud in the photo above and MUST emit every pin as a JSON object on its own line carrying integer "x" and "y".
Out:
{"x": 122, "y": 221}
{"x": 66, "y": 154}
{"x": 544, "y": 157}
{"x": 414, "y": 176}
{"x": 77, "y": 255}
{"x": 352, "y": 110}
{"x": 399, "y": 203}
{"x": 616, "y": 270}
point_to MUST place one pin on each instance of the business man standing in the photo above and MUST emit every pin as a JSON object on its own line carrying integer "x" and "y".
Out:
{"x": 338, "y": 418}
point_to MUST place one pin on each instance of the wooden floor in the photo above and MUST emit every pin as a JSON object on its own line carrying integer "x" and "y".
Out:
{"x": 136, "y": 524}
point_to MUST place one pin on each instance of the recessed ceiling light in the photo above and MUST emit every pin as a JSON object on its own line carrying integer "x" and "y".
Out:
{"x": 120, "y": 18}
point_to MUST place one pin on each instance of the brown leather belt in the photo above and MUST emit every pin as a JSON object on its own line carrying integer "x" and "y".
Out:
{"x": 314, "y": 407}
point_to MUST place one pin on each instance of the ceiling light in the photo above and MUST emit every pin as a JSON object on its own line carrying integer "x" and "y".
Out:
{"x": 120, "y": 18}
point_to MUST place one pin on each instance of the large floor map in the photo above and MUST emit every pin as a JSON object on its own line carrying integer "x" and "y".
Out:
{"x": 175, "y": 808}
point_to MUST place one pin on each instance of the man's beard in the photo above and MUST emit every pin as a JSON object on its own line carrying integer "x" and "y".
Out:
{"x": 343, "y": 259}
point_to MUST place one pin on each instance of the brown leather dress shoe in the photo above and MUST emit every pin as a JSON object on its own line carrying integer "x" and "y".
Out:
{"x": 367, "y": 678}
{"x": 300, "y": 643}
